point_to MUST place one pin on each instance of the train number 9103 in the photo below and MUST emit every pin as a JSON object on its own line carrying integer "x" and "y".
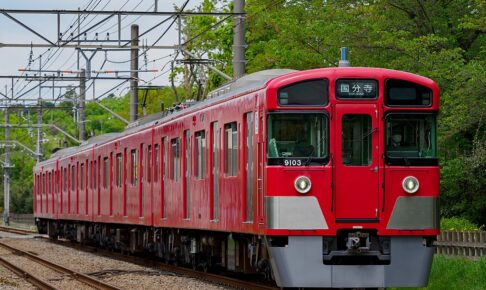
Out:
{"x": 292, "y": 162}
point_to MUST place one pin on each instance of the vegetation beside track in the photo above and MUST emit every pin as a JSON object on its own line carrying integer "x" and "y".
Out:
{"x": 456, "y": 273}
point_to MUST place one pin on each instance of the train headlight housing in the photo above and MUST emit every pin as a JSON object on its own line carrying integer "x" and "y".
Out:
{"x": 302, "y": 184}
{"x": 410, "y": 184}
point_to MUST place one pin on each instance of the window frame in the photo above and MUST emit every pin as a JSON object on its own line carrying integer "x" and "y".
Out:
{"x": 175, "y": 159}
{"x": 326, "y": 101}
{"x": 134, "y": 166}
{"x": 409, "y": 161}
{"x": 386, "y": 95}
{"x": 279, "y": 161}
{"x": 200, "y": 153}
{"x": 231, "y": 170}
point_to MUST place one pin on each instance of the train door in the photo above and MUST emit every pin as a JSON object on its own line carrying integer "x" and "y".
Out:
{"x": 356, "y": 163}
{"x": 214, "y": 171}
{"x": 249, "y": 171}
{"x": 187, "y": 174}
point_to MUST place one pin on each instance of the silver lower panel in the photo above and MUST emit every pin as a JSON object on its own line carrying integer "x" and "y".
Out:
{"x": 300, "y": 264}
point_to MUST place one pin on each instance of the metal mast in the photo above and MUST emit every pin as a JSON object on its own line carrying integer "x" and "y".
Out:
{"x": 82, "y": 105}
{"x": 239, "y": 44}
{"x": 6, "y": 173}
{"x": 134, "y": 74}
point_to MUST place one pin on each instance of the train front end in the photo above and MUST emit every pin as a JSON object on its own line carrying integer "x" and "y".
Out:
{"x": 351, "y": 178}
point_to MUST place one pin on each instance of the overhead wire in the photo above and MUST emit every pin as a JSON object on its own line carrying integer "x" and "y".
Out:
{"x": 76, "y": 19}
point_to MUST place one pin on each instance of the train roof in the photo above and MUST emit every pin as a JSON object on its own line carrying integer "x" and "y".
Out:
{"x": 245, "y": 84}
{"x": 250, "y": 82}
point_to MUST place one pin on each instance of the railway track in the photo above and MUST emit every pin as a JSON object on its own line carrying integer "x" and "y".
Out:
{"x": 17, "y": 231}
{"x": 42, "y": 284}
{"x": 209, "y": 277}
{"x": 213, "y": 278}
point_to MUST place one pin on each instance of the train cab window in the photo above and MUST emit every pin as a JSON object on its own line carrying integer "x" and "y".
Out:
{"x": 307, "y": 93}
{"x": 411, "y": 139}
{"x": 134, "y": 166}
{"x": 403, "y": 93}
{"x": 231, "y": 149}
{"x": 200, "y": 170}
{"x": 297, "y": 138}
{"x": 175, "y": 164}
{"x": 356, "y": 140}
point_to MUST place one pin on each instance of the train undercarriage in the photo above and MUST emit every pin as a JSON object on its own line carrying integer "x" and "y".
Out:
{"x": 349, "y": 260}
{"x": 201, "y": 250}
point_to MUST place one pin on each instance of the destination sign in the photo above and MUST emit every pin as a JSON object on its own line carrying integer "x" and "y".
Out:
{"x": 356, "y": 89}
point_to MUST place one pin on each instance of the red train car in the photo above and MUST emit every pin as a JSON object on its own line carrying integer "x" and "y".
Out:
{"x": 318, "y": 178}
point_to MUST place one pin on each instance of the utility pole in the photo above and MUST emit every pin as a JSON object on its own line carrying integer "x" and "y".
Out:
{"x": 38, "y": 148}
{"x": 6, "y": 173}
{"x": 239, "y": 44}
{"x": 134, "y": 74}
{"x": 82, "y": 106}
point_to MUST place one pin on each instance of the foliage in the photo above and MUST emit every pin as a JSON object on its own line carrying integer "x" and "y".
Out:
{"x": 456, "y": 273}
{"x": 442, "y": 40}
{"x": 458, "y": 224}
{"x": 98, "y": 121}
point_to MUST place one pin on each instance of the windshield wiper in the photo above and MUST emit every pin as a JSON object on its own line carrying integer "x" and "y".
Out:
{"x": 308, "y": 160}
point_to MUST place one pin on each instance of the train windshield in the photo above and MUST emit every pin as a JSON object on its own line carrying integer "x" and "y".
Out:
{"x": 294, "y": 135}
{"x": 411, "y": 136}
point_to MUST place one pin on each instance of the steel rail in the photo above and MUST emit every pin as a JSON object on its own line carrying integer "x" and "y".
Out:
{"x": 16, "y": 231}
{"x": 58, "y": 268}
{"x": 32, "y": 279}
{"x": 209, "y": 277}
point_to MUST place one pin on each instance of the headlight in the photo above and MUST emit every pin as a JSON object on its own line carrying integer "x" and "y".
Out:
{"x": 410, "y": 184}
{"x": 302, "y": 184}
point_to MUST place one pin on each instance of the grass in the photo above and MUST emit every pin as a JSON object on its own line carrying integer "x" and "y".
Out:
{"x": 458, "y": 224}
{"x": 457, "y": 273}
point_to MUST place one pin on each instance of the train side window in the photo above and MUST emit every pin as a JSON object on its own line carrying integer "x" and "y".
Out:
{"x": 149, "y": 163}
{"x": 200, "y": 170}
{"x": 134, "y": 166}
{"x": 73, "y": 178}
{"x": 49, "y": 191}
{"x": 95, "y": 175}
{"x": 105, "y": 171}
{"x": 118, "y": 170}
{"x": 231, "y": 149}
{"x": 165, "y": 170}
{"x": 65, "y": 179}
{"x": 175, "y": 164}
{"x": 156, "y": 162}
{"x": 403, "y": 93}
{"x": 82, "y": 176}
{"x": 90, "y": 175}
{"x": 306, "y": 93}
{"x": 356, "y": 140}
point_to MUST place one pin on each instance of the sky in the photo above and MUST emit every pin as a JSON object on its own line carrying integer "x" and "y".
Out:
{"x": 13, "y": 59}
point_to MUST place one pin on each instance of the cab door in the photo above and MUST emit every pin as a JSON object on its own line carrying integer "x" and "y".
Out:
{"x": 356, "y": 163}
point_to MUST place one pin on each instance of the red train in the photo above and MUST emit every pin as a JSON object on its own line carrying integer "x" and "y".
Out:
{"x": 318, "y": 178}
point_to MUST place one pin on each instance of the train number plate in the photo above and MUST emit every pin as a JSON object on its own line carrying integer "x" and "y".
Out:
{"x": 293, "y": 162}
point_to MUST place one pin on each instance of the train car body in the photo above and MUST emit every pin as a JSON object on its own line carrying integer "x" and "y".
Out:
{"x": 319, "y": 178}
